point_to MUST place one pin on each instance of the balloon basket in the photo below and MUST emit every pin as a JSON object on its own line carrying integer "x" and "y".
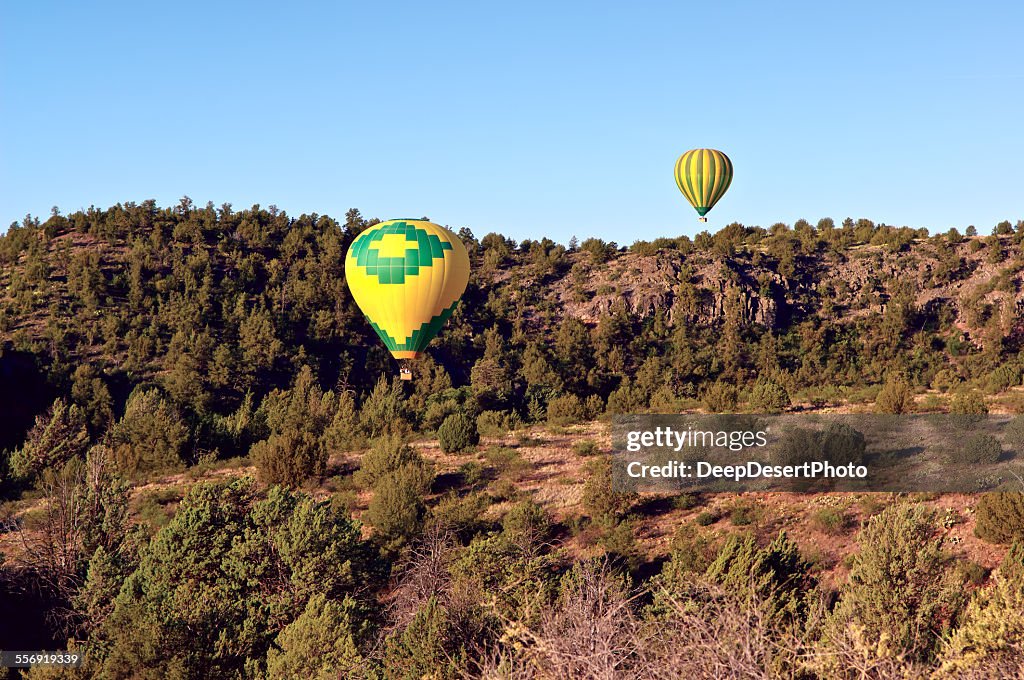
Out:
{"x": 405, "y": 374}
{"x": 702, "y": 219}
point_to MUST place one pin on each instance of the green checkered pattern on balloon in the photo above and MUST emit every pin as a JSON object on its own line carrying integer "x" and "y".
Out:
{"x": 420, "y": 338}
{"x": 424, "y": 249}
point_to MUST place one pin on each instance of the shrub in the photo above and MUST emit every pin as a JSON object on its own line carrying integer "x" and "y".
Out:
{"x": 457, "y": 433}
{"x": 460, "y": 514}
{"x": 978, "y": 449}
{"x": 900, "y": 591}
{"x": 396, "y": 510}
{"x": 297, "y": 418}
{"x": 150, "y": 436}
{"x": 566, "y": 409}
{"x": 1000, "y": 517}
{"x": 720, "y": 397}
{"x": 1003, "y": 378}
{"x": 968, "y": 403}
{"x": 320, "y": 644}
{"x": 776, "y": 573}
{"x": 618, "y": 538}
{"x": 1013, "y": 435}
{"x": 987, "y": 642}
{"x": 706, "y": 518}
{"x": 971, "y": 573}
{"x": 895, "y": 397}
{"x": 743, "y": 514}
{"x": 384, "y": 410}
{"x": 502, "y": 490}
{"x": 769, "y": 396}
{"x": 440, "y": 405}
{"x": 599, "y": 250}
{"x": 472, "y": 473}
{"x": 56, "y": 437}
{"x": 343, "y": 434}
{"x": 685, "y": 501}
{"x": 507, "y": 461}
{"x": 600, "y": 500}
{"x": 691, "y": 550}
{"x": 831, "y": 521}
{"x": 593, "y": 406}
{"x": 496, "y": 423}
{"x": 427, "y": 647}
{"x": 288, "y": 459}
{"x": 526, "y": 524}
{"x": 838, "y": 443}
{"x": 586, "y": 447}
{"x": 387, "y": 455}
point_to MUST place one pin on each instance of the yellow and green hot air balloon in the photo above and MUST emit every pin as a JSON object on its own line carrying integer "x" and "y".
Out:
{"x": 407, "y": 276}
{"x": 703, "y": 175}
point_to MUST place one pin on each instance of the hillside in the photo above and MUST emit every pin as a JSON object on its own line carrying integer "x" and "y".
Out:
{"x": 227, "y": 302}
{"x": 207, "y": 463}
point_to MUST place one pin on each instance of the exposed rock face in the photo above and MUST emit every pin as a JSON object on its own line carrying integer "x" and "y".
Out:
{"x": 699, "y": 288}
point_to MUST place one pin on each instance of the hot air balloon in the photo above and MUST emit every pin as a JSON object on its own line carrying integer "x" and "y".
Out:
{"x": 703, "y": 175}
{"x": 407, "y": 277}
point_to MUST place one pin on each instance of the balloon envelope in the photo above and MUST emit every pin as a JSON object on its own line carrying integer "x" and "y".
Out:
{"x": 407, "y": 276}
{"x": 703, "y": 175}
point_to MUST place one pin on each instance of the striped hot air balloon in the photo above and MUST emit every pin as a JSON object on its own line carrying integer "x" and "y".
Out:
{"x": 407, "y": 277}
{"x": 703, "y": 175}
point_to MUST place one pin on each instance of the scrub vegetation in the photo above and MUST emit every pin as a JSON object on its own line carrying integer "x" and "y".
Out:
{"x": 208, "y": 467}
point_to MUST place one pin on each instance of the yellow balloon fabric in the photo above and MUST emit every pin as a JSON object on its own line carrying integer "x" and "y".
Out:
{"x": 407, "y": 276}
{"x": 703, "y": 175}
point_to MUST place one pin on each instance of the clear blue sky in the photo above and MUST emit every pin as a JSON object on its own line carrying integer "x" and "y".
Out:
{"x": 533, "y": 119}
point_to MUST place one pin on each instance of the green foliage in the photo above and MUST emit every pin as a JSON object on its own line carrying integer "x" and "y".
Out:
{"x": 396, "y": 510}
{"x": 691, "y": 552}
{"x": 343, "y": 434}
{"x": 386, "y": 456}
{"x": 89, "y": 391}
{"x": 769, "y": 396}
{"x": 222, "y": 325}
{"x": 496, "y": 423}
{"x": 1004, "y": 377}
{"x": 298, "y": 420}
{"x": 566, "y": 409}
{"x": 1000, "y": 517}
{"x": 321, "y": 643}
{"x": 425, "y": 648}
{"x": 384, "y": 410}
{"x": 507, "y": 462}
{"x": 831, "y": 521}
{"x": 977, "y": 449}
{"x": 743, "y": 514}
{"x": 968, "y": 402}
{"x": 706, "y": 518}
{"x": 151, "y": 436}
{"x": 57, "y": 437}
{"x": 457, "y": 433}
{"x": 585, "y": 448}
{"x": 777, "y": 573}
{"x": 216, "y": 585}
{"x": 598, "y": 250}
{"x": 895, "y": 397}
{"x": 901, "y": 593}
{"x": 440, "y": 405}
{"x": 720, "y": 397}
{"x": 837, "y": 443}
{"x": 1013, "y": 435}
{"x": 989, "y": 638}
{"x": 526, "y": 524}
{"x": 600, "y": 499}
{"x": 460, "y": 514}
